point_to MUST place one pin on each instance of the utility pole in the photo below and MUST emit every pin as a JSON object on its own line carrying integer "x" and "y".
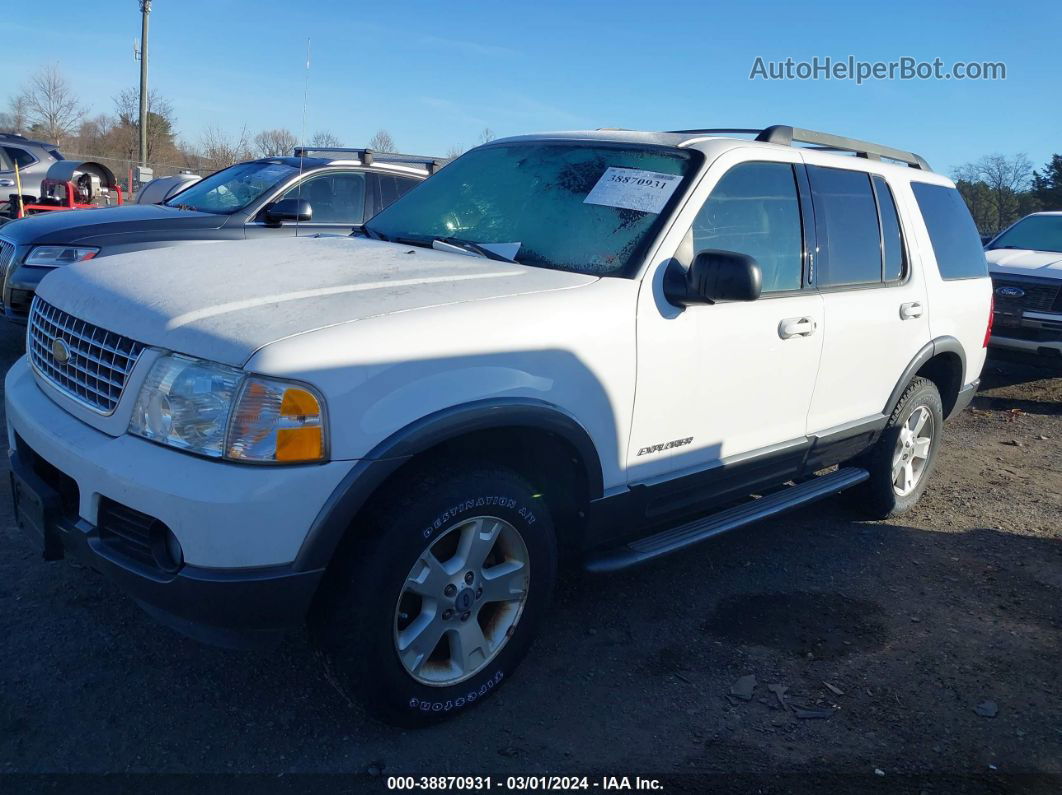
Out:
{"x": 145, "y": 12}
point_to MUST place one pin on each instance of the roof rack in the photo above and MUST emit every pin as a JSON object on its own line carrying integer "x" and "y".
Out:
{"x": 786, "y": 136}
{"x": 369, "y": 156}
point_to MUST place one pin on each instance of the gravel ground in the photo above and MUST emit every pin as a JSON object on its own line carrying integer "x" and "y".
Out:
{"x": 884, "y": 639}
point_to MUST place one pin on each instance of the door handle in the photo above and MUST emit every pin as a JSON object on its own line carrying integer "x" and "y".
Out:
{"x": 7, "y": 183}
{"x": 796, "y": 327}
{"x": 910, "y": 310}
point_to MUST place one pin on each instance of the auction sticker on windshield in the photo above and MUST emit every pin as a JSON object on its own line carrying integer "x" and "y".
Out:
{"x": 633, "y": 189}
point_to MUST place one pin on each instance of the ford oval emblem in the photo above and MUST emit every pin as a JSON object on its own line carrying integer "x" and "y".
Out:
{"x": 1010, "y": 292}
{"x": 60, "y": 352}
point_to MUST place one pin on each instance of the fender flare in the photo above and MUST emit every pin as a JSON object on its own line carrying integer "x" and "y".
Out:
{"x": 382, "y": 461}
{"x": 944, "y": 344}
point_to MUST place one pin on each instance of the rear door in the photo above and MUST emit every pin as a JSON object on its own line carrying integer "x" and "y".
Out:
{"x": 876, "y": 317}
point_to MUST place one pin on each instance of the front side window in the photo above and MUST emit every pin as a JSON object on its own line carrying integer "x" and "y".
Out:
{"x": 334, "y": 198}
{"x": 586, "y": 207}
{"x": 845, "y": 200}
{"x": 754, "y": 210}
{"x": 1036, "y": 233}
{"x": 233, "y": 188}
{"x": 956, "y": 244}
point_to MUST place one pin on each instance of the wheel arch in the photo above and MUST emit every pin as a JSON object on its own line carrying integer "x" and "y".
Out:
{"x": 530, "y": 431}
{"x": 941, "y": 360}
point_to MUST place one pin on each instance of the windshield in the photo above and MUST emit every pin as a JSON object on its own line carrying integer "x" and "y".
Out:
{"x": 590, "y": 208}
{"x": 1037, "y": 232}
{"x": 232, "y": 188}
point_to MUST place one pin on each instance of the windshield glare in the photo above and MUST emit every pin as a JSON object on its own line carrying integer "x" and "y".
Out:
{"x": 232, "y": 188}
{"x": 1037, "y": 233}
{"x": 590, "y": 208}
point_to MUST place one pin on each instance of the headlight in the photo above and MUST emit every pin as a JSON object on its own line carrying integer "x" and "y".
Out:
{"x": 220, "y": 411}
{"x": 60, "y": 255}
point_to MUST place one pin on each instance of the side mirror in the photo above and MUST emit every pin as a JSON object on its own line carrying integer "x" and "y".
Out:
{"x": 288, "y": 210}
{"x": 714, "y": 276}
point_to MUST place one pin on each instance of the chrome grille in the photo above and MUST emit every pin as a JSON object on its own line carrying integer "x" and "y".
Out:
{"x": 98, "y": 363}
{"x": 7, "y": 254}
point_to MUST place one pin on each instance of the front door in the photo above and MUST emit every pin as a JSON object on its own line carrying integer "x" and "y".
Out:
{"x": 730, "y": 381}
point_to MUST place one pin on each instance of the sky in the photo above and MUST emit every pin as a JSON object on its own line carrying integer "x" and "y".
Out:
{"x": 435, "y": 74}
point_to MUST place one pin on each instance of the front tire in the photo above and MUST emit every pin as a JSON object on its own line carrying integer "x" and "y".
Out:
{"x": 902, "y": 460}
{"x": 440, "y": 593}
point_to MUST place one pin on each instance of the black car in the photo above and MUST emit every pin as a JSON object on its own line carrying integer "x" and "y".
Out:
{"x": 306, "y": 195}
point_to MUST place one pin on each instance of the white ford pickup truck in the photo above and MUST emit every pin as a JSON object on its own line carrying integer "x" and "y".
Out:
{"x": 605, "y": 346}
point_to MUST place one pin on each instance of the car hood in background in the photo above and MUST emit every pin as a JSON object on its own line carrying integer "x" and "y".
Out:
{"x": 85, "y": 226}
{"x": 1024, "y": 262}
{"x": 224, "y": 301}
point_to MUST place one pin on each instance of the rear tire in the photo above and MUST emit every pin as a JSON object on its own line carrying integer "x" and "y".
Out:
{"x": 413, "y": 623}
{"x": 902, "y": 460}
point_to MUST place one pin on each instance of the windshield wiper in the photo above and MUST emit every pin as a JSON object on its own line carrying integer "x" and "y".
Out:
{"x": 373, "y": 234}
{"x": 475, "y": 248}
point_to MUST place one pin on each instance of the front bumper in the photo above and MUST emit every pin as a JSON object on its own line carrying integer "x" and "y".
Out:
{"x": 224, "y": 607}
{"x": 1039, "y": 333}
{"x": 240, "y": 527}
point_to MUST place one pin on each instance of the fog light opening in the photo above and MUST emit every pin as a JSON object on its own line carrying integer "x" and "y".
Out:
{"x": 165, "y": 548}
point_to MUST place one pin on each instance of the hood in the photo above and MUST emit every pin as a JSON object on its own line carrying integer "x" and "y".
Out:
{"x": 1025, "y": 262}
{"x": 88, "y": 226}
{"x": 224, "y": 301}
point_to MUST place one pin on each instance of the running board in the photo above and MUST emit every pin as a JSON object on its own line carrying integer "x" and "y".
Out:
{"x": 676, "y": 538}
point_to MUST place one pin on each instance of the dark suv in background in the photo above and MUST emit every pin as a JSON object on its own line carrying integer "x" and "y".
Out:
{"x": 330, "y": 191}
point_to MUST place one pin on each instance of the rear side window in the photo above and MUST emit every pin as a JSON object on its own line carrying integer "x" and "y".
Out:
{"x": 754, "y": 210}
{"x": 956, "y": 244}
{"x": 393, "y": 188}
{"x": 891, "y": 238}
{"x": 845, "y": 201}
{"x": 20, "y": 156}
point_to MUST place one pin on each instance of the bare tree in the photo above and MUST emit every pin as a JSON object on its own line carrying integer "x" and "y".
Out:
{"x": 1006, "y": 177}
{"x": 325, "y": 138}
{"x": 160, "y": 122}
{"x": 275, "y": 143}
{"x": 51, "y": 105}
{"x": 14, "y": 120}
{"x": 454, "y": 151}
{"x": 218, "y": 150}
{"x": 382, "y": 142}
{"x": 487, "y": 136}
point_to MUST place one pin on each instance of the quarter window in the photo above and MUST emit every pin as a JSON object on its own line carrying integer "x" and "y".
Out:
{"x": 956, "y": 244}
{"x": 845, "y": 201}
{"x": 754, "y": 210}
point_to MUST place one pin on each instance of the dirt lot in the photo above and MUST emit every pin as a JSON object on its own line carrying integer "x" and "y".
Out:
{"x": 888, "y": 637}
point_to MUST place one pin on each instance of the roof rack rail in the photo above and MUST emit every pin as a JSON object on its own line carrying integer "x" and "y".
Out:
{"x": 369, "y": 156}
{"x": 786, "y": 136}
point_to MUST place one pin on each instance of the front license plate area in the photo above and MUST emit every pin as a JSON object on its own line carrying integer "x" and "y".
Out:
{"x": 34, "y": 513}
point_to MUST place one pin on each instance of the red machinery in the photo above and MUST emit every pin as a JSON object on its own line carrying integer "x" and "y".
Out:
{"x": 75, "y": 185}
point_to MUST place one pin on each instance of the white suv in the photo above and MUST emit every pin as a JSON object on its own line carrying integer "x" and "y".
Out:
{"x": 1026, "y": 264}
{"x": 606, "y": 345}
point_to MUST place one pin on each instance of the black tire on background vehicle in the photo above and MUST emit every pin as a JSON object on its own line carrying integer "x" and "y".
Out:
{"x": 902, "y": 460}
{"x": 438, "y": 593}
